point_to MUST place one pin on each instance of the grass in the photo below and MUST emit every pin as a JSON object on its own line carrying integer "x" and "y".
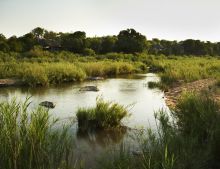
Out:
{"x": 105, "y": 115}
{"x": 39, "y": 67}
{"x": 44, "y": 74}
{"x": 187, "y": 138}
{"x": 107, "y": 68}
{"x": 68, "y": 66}
{"x": 31, "y": 140}
{"x": 179, "y": 69}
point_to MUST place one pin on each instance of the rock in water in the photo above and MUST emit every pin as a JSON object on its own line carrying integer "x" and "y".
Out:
{"x": 90, "y": 88}
{"x": 95, "y": 78}
{"x": 47, "y": 104}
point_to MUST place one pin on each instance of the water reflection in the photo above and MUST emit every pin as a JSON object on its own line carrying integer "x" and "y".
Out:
{"x": 102, "y": 138}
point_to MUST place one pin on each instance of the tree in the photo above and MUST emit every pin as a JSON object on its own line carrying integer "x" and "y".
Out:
{"x": 94, "y": 44}
{"x": 74, "y": 42}
{"x": 3, "y": 44}
{"x": 108, "y": 44}
{"x": 130, "y": 41}
{"x": 28, "y": 41}
{"x": 14, "y": 44}
{"x": 2, "y": 38}
{"x": 38, "y": 33}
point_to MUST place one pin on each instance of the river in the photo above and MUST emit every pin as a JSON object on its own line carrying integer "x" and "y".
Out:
{"x": 131, "y": 91}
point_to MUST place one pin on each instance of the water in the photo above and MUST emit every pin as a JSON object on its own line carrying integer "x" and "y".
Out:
{"x": 128, "y": 90}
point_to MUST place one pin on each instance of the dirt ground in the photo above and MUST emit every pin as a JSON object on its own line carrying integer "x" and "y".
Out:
{"x": 174, "y": 93}
{"x": 9, "y": 82}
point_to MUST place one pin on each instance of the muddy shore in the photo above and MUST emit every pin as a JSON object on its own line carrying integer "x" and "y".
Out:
{"x": 174, "y": 92}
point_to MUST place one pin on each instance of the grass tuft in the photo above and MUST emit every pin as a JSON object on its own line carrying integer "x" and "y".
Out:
{"x": 104, "y": 116}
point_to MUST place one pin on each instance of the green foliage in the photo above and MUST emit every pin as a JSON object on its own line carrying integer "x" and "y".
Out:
{"x": 74, "y": 42}
{"x": 31, "y": 140}
{"x": 43, "y": 74}
{"x": 130, "y": 41}
{"x": 196, "y": 115}
{"x": 107, "y": 68}
{"x": 186, "y": 69}
{"x": 108, "y": 44}
{"x": 88, "y": 52}
{"x": 104, "y": 116}
{"x": 153, "y": 85}
{"x": 127, "y": 41}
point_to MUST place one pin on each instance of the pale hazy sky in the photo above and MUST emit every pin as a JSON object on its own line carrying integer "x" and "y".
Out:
{"x": 164, "y": 19}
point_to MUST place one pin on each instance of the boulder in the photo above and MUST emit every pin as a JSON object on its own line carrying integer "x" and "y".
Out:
{"x": 90, "y": 88}
{"x": 47, "y": 104}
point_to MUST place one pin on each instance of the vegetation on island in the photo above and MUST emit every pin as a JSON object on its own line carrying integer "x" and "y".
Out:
{"x": 105, "y": 115}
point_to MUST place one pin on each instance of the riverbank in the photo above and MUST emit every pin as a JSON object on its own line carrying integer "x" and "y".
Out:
{"x": 174, "y": 93}
{"x": 45, "y": 74}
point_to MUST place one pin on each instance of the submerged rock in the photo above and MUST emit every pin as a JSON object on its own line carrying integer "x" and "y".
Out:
{"x": 90, "y": 88}
{"x": 47, "y": 104}
{"x": 95, "y": 78}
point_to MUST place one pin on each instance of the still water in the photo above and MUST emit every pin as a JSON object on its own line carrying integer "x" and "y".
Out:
{"x": 131, "y": 91}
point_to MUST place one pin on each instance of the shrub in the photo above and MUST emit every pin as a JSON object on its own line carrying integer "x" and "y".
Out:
{"x": 88, "y": 52}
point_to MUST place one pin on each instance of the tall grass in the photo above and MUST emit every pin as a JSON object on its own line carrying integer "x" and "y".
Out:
{"x": 188, "y": 138}
{"x": 107, "y": 68}
{"x": 44, "y": 74}
{"x": 31, "y": 140}
{"x": 104, "y": 116}
{"x": 186, "y": 69}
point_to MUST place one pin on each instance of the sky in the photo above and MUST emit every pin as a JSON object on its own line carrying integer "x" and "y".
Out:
{"x": 163, "y": 19}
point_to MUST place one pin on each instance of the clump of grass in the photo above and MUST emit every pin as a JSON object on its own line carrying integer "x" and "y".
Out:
{"x": 160, "y": 85}
{"x": 31, "y": 140}
{"x": 196, "y": 114}
{"x": 152, "y": 85}
{"x": 104, "y": 116}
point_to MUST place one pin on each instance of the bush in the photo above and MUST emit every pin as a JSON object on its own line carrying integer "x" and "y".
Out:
{"x": 88, "y": 52}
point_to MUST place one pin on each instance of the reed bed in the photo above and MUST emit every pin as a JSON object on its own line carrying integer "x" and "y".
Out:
{"x": 31, "y": 140}
{"x": 44, "y": 74}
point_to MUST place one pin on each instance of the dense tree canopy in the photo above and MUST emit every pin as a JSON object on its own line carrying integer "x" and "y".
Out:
{"x": 127, "y": 41}
{"x": 130, "y": 41}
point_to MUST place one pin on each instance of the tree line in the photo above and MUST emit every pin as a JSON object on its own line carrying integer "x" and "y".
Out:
{"x": 127, "y": 41}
